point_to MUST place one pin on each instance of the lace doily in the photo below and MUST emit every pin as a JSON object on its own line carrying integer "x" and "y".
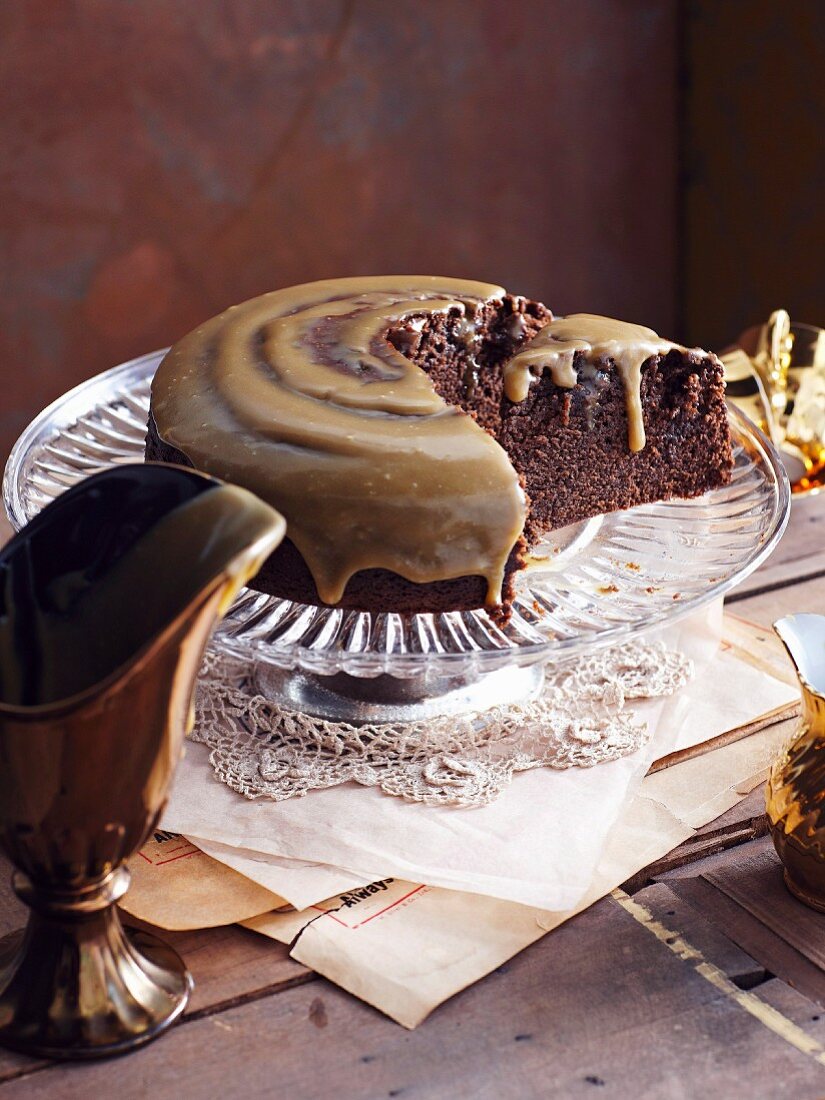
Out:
{"x": 579, "y": 720}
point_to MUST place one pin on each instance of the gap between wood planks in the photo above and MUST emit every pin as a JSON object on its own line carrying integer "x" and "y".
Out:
{"x": 788, "y": 582}
{"x": 770, "y": 1017}
{"x": 697, "y": 848}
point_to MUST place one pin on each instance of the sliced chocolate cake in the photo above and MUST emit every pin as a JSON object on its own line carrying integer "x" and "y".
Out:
{"x": 421, "y": 434}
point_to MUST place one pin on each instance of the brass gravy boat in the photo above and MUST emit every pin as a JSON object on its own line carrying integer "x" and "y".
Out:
{"x": 796, "y": 786}
{"x": 107, "y": 600}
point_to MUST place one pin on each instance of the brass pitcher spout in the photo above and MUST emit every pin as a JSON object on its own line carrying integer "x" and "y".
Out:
{"x": 796, "y": 786}
{"x": 107, "y": 600}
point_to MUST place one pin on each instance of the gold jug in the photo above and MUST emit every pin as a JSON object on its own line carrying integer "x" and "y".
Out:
{"x": 775, "y": 373}
{"x": 796, "y": 786}
{"x": 107, "y": 600}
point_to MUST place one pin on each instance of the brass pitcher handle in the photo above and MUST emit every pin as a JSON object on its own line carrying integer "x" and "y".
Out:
{"x": 773, "y": 357}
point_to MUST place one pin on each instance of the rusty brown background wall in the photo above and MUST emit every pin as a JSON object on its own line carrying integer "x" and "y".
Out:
{"x": 164, "y": 158}
{"x": 754, "y": 200}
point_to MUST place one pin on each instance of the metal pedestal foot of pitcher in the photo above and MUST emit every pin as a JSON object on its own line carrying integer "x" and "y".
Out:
{"x": 74, "y": 984}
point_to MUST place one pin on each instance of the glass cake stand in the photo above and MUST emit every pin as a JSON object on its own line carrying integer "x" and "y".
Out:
{"x": 594, "y": 584}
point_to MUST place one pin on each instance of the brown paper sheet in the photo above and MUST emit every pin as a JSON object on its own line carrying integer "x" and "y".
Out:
{"x": 405, "y": 948}
{"x": 174, "y": 884}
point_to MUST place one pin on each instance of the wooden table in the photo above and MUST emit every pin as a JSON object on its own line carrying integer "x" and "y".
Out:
{"x": 703, "y": 978}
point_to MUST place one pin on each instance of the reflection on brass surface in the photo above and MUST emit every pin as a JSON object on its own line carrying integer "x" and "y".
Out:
{"x": 796, "y": 786}
{"x": 776, "y": 375}
{"x": 106, "y": 603}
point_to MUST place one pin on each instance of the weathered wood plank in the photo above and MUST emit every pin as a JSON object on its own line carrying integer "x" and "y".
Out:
{"x": 793, "y": 1006}
{"x": 754, "y": 881}
{"x": 676, "y": 914}
{"x": 774, "y": 953}
{"x": 748, "y": 246}
{"x": 799, "y": 554}
{"x": 14, "y": 1065}
{"x": 692, "y": 882}
{"x": 712, "y": 861}
{"x": 766, "y": 607}
{"x": 602, "y": 1001}
{"x": 232, "y": 965}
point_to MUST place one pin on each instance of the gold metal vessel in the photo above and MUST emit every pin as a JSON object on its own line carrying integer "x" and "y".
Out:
{"x": 107, "y": 600}
{"x": 776, "y": 374}
{"x": 796, "y": 786}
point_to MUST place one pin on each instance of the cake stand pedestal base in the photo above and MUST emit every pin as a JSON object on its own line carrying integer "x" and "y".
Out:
{"x": 382, "y": 699}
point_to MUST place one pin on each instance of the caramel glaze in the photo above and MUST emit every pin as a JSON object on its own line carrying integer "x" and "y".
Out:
{"x": 109, "y": 564}
{"x": 595, "y": 338}
{"x": 300, "y": 397}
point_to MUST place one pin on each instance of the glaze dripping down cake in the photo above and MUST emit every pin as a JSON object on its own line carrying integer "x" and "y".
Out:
{"x": 421, "y": 434}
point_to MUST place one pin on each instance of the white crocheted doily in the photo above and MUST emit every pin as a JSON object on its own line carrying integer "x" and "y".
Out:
{"x": 580, "y": 719}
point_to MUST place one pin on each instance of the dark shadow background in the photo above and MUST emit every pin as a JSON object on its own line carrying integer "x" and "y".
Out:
{"x": 658, "y": 160}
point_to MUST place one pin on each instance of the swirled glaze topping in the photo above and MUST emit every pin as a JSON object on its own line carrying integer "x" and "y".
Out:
{"x": 300, "y": 397}
{"x": 555, "y": 347}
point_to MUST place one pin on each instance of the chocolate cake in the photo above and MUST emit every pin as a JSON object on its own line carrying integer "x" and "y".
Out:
{"x": 421, "y": 434}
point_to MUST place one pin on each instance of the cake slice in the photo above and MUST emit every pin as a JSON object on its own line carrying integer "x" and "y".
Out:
{"x": 606, "y": 416}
